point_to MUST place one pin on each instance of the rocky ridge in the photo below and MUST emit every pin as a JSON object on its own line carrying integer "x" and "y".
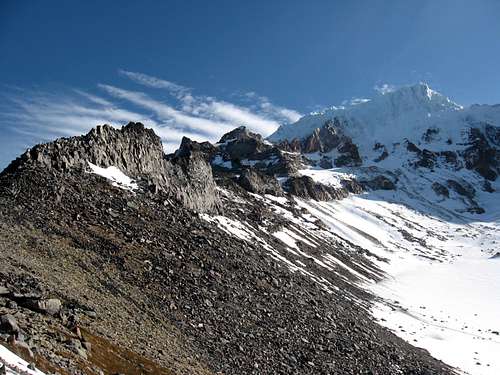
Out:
{"x": 137, "y": 152}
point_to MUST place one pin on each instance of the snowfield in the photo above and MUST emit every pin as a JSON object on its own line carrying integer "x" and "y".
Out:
{"x": 442, "y": 293}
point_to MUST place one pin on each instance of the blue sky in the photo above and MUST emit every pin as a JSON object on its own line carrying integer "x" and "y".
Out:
{"x": 201, "y": 68}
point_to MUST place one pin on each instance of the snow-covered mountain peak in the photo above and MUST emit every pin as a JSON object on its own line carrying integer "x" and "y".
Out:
{"x": 420, "y": 96}
{"x": 386, "y": 118}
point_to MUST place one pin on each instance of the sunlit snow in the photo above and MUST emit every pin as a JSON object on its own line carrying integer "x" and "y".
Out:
{"x": 15, "y": 364}
{"x": 118, "y": 178}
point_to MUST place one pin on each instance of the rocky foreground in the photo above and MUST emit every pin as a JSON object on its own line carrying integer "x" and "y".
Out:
{"x": 98, "y": 279}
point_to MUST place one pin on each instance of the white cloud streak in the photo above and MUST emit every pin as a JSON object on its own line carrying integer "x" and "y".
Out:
{"x": 154, "y": 82}
{"x": 30, "y": 117}
{"x": 262, "y": 116}
{"x": 169, "y": 114}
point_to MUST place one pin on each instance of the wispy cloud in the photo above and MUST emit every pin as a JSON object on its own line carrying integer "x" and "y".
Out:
{"x": 260, "y": 115}
{"x": 33, "y": 116}
{"x": 278, "y": 113}
{"x": 169, "y": 115}
{"x": 155, "y": 82}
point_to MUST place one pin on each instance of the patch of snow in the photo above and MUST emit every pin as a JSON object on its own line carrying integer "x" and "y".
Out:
{"x": 118, "y": 178}
{"x": 15, "y": 364}
{"x": 286, "y": 239}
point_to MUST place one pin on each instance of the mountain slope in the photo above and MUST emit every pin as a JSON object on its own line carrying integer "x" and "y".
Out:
{"x": 437, "y": 221}
{"x": 250, "y": 256}
{"x": 142, "y": 271}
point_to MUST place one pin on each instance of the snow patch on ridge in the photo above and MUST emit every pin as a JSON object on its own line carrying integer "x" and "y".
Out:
{"x": 118, "y": 178}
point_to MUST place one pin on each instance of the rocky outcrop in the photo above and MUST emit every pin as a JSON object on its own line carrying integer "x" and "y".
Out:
{"x": 440, "y": 189}
{"x": 480, "y": 155}
{"x": 352, "y": 186}
{"x": 468, "y": 193}
{"x": 188, "y": 147}
{"x": 326, "y": 162}
{"x": 295, "y": 145}
{"x": 324, "y": 139}
{"x": 379, "y": 182}
{"x": 383, "y": 155}
{"x": 137, "y": 152}
{"x": 425, "y": 158}
{"x": 306, "y": 187}
{"x": 451, "y": 159}
{"x": 257, "y": 182}
{"x": 240, "y": 149}
{"x": 462, "y": 189}
{"x": 192, "y": 178}
{"x": 242, "y": 144}
{"x": 349, "y": 155}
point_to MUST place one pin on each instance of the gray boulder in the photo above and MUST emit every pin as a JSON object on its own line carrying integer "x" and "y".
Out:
{"x": 8, "y": 324}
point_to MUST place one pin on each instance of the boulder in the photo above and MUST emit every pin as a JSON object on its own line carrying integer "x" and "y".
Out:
{"x": 8, "y": 324}
{"x": 76, "y": 347}
{"x": 50, "y": 306}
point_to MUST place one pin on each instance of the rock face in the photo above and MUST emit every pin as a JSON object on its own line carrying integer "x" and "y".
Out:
{"x": 240, "y": 149}
{"x": 191, "y": 176}
{"x": 138, "y": 153}
{"x": 349, "y": 155}
{"x": 305, "y": 187}
{"x": 259, "y": 183}
{"x": 324, "y": 139}
{"x": 440, "y": 189}
{"x": 243, "y": 144}
{"x": 135, "y": 150}
{"x": 480, "y": 155}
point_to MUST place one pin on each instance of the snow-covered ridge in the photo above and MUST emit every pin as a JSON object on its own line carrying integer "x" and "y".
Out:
{"x": 392, "y": 117}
